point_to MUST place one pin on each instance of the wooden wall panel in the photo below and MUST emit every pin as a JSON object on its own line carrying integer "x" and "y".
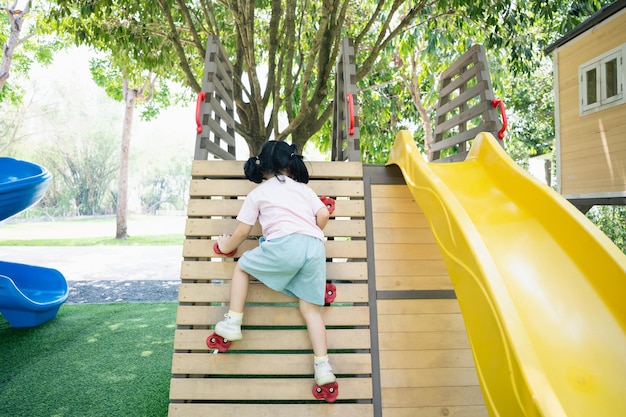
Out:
{"x": 426, "y": 364}
{"x": 592, "y": 147}
{"x": 274, "y": 361}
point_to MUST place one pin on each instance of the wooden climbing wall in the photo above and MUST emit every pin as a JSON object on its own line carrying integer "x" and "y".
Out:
{"x": 269, "y": 373}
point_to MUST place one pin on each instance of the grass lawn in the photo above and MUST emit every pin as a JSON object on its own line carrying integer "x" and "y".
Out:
{"x": 91, "y": 360}
{"x": 94, "y": 231}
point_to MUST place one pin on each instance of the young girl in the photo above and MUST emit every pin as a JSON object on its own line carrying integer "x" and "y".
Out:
{"x": 290, "y": 257}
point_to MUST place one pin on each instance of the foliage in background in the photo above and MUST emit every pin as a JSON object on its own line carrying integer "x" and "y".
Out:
{"x": 612, "y": 221}
{"x": 514, "y": 35}
{"x": 26, "y": 47}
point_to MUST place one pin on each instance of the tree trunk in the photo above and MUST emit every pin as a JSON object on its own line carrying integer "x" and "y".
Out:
{"x": 130, "y": 98}
{"x": 15, "y": 16}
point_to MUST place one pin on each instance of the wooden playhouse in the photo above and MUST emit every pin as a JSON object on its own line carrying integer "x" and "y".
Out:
{"x": 590, "y": 109}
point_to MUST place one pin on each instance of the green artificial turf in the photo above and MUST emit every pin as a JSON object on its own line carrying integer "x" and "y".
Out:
{"x": 109, "y": 360}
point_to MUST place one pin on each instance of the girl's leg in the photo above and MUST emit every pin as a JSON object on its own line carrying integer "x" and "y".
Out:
{"x": 315, "y": 324}
{"x": 239, "y": 289}
{"x": 230, "y": 327}
{"x": 317, "y": 333}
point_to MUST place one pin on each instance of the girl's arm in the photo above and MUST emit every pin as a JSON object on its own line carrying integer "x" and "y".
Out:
{"x": 228, "y": 243}
{"x": 321, "y": 217}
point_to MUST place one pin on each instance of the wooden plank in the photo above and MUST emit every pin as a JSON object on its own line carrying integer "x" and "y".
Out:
{"x": 399, "y": 220}
{"x": 207, "y": 270}
{"x": 338, "y": 339}
{"x": 236, "y": 188}
{"x": 438, "y": 411}
{"x": 192, "y": 270}
{"x": 462, "y": 98}
{"x": 395, "y": 205}
{"x": 417, "y": 282}
{"x": 464, "y": 77}
{"x": 386, "y": 192}
{"x": 431, "y": 396}
{"x": 273, "y": 410}
{"x": 428, "y": 377}
{"x": 421, "y": 322}
{"x": 419, "y": 359}
{"x": 410, "y": 267}
{"x": 403, "y": 236}
{"x": 203, "y": 248}
{"x": 465, "y": 116}
{"x": 267, "y": 364}
{"x": 216, "y": 227}
{"x": 257, "y": 292}
{"x": 407, "y": 251}
{"x": 272, "y": 316}
{"x": 418, "y": 307}
{"x": 262, "y": 389}
{"x": 317, "y": 169}
{"x": 442, "y": 340}
{"x": 199, "y": 207}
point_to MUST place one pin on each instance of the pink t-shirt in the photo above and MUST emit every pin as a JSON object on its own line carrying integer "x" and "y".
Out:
{"x": 283, "y": 208}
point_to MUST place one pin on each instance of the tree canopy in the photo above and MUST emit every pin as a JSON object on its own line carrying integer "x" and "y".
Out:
{"x": 284, "y": 51}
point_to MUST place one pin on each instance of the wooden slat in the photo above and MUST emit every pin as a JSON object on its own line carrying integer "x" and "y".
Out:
{"x": 262, "y": 389}
{"x": 230, "y": 207}
{"x": 419, "y": 359}
{"x": 411, "y": 267}
{"x": 432, "y": 396}
{"x": 403, "y": 236}
{"x": 206, "y": 270}
{"x": 216, "y": 227}
{"x": 338, "y": 339}
{"x": 273, "y": 410}
{"x": 267, "y": 364}
{"x": 410, "y": 283}
{"x": 399, "y": 220}
{"x": 438, "y": 411}
{"x": 317, "y": 169}
{"x": 273, "y": 316}
{"x": 407, "y": 251}
{"x": 421, "y": 322}
{"x": 433, "y": 341}
{"x": 196, "y": 293}
{"x": 203, "y": 248}
{"x": 393, "y": 307}
{"x": 236, "y": 188}
{"x": 428, "y": 377}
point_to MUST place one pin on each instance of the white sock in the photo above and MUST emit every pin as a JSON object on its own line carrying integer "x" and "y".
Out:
{"x": 235, "y": 315}
{"x": 320, "y": 359}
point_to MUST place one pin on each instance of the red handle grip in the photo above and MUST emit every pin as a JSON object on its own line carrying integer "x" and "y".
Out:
{"x": 350, "y": 100}
{"x": 199, "y": 100}
{"x": 495, "y": 103}
{"x": 329, "y": 202}
{"x": 217, "y": 250}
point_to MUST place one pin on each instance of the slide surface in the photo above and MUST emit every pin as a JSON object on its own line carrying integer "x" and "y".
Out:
{"x": 542, "y": 290}
{"x": 29, "y": 295}
{"x": 22, "y": 184}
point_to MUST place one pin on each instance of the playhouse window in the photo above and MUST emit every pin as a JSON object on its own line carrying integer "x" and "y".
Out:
{"x": 601, "y": 82}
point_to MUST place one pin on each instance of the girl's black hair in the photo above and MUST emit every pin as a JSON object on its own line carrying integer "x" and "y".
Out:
{"x": 276, "y": 157}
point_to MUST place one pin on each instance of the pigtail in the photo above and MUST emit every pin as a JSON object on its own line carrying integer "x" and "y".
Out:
{"x": 252, "y": 170}
{"x": 275, "y": 157}
{"x": 297, "y": 169}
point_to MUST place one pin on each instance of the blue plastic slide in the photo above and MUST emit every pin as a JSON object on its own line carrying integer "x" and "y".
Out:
{"x": 29, "y": 295}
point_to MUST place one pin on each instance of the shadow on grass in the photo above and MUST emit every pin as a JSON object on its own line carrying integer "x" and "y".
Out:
{"x": 91, "y": 360}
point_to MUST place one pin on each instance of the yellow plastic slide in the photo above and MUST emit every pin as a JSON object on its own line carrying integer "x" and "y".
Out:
{"x": 542, "y": 290}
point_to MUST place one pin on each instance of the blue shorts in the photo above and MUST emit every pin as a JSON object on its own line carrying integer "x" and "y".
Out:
{"x": 294, "y": 265}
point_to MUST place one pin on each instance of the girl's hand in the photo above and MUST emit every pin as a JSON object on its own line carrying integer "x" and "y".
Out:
{"x": 222, "y": 242}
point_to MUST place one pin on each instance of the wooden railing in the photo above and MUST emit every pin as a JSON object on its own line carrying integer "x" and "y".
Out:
{"x": 465, "y": 107}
